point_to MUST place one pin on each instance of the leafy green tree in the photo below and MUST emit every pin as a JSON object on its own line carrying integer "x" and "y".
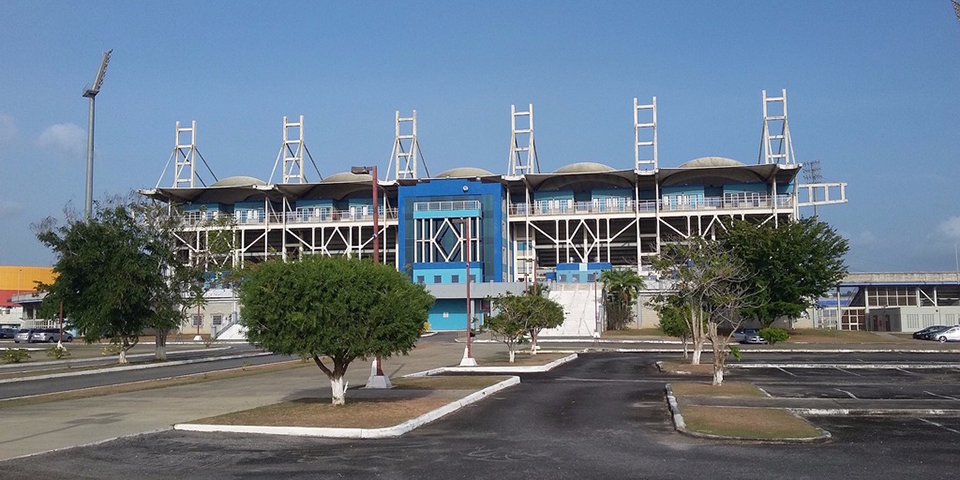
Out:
{"x": 621, "y": 290}
{"x": 116, "y": 273}
{"x": 790, "y": 265}
{"x": 673, "y": 315}
{"x": 332, "y": 306}
{"x": 522, "y": 315}
{"x": 710, "y": 281}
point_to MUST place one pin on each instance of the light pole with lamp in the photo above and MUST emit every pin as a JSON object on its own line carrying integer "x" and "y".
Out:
{"x": 468, "y": 360}
{"x": 377, "y": 379}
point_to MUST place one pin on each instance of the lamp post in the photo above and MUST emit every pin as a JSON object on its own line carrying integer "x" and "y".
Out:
{"x": 468, "y": 360}
{"x": 377, "y": 378}
{"x": 91, "y": 93}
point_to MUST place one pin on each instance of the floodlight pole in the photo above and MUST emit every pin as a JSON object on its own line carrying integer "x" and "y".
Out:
{"x": 377, "y": 379}
{"x": 91, "y": 93}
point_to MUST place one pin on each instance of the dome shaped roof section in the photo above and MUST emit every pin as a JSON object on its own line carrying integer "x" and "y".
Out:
{"x": 707, "y": 162}
{"x": 464, "y": 172}
{"x": 238, "y": 181}
{"x": 584, "y": 167}
{"x": 347, "y": 177}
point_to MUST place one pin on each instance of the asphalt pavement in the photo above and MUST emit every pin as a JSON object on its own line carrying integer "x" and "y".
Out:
{"x": 602, "y": 416}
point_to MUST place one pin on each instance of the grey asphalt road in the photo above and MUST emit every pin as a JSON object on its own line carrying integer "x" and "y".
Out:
{"x": 600, "y": 417}
{"x": 62, "y": 384}
{"x": 194, "y": 351}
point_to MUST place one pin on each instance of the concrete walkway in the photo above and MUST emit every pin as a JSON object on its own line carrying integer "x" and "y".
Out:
{"x": 31, "y": 429}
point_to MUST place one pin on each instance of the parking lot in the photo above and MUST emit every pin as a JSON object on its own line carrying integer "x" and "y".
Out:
{"x": 602, "y": 416}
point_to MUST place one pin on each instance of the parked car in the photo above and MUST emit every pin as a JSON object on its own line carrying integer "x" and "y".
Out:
{"x": 8, "y": 332}
{"x": 23, "y": 335}
{"x": 926, "y": 332}
{"x": 752, "y": 336}
{"x": 951, "y": 334}
{"x": 747, "y": 335}
{"x": 50, "y": 335}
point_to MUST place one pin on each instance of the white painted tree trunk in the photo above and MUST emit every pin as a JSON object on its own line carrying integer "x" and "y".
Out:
{"x": 686, "y": 349}
{"x": 123, "y": 357}
{"x": 718, "y": 376}
{"x": 513, "y": 354}
{"x": 339, "y": 390}
{"x": 533, "y": 343}
{"x": 695, "y": 358}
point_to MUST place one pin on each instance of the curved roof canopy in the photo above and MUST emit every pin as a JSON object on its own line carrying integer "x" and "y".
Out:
{"x": 584, "y": 167}
{"x": 464, "y": 172}
{"x": 710, "y": 162}
{"x": 344, "y": 177}
{"x": 238, "y": 181}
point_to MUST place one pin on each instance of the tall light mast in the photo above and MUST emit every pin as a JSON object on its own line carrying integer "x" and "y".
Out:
{"x": 91, "y": 93}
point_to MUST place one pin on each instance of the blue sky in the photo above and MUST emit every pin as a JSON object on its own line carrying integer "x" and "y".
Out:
{"x": 873, "y": 88}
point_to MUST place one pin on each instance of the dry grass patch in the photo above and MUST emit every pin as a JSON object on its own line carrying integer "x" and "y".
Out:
{"x": 840, "y": 336}
{"x": 728, "y": 389}
{"x": 154, "y": 384}
{"x": 750, "y": 423}
{"x": 357, "y": 413}
{"x": 523, "y": 359}
{"x": 683, "y": 366}
{"x": 633, "y": 332}
{"x": 464, "y": 382}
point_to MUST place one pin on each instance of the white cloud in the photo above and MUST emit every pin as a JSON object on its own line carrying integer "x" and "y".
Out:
{"x": 65, "y": 139}
{"x": 8, "y": 129}
{"x": 861, "y": 238}
{"x": 8, "y": 209}
{"x": 950, "y": 228}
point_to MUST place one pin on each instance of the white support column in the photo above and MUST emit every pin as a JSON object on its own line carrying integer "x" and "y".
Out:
{"x": 185, "y": 151}
{"x": 406, "y": 149}
{"x": 776, "y": 146}
{"x": 645, "y": 146}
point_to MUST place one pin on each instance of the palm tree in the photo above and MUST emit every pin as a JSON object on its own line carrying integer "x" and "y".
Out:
{"x": 622, "y": 288}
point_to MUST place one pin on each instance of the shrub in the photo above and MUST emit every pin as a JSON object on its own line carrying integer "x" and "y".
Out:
{"x": 15, "y": 355}
{"x": 774, "y": 335}
{"x": 57, "y": 352}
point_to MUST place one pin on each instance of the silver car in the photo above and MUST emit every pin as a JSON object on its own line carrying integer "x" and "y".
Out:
{"x": 23, "y": 335}
{"x": 50, "y": 335}
{"x": 951, "y": 334}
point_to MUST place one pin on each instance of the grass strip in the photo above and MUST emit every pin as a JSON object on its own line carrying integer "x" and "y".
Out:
{"x": 728, "y": 389}
{"x": 522, "y": 359}
{"x": 153, "y": 384}
{"x": 422, "y": 395}
{"x": 748, "y": 423}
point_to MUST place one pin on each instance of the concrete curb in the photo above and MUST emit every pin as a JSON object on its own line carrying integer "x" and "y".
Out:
{"x": 848, "y": 366}
{"x": 681, "y": 426}
{"x": 386, "y": 432}
{"x": 753, "y": 352}
{"x": 131, "y": 367}
{"x": 79, "y": 361}
{"x": 876, "y": 412}
{"x": 503, "y": 369}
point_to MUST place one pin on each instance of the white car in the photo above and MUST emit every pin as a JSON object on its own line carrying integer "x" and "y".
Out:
{"x": 951, "y": 334}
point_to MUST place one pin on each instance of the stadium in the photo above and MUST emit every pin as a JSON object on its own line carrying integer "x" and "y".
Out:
{"x": 471, "y": 228}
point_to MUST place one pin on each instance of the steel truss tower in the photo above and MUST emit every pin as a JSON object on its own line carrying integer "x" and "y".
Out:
{"x": 645, "y": 145}
{"x": 523, "y": 151}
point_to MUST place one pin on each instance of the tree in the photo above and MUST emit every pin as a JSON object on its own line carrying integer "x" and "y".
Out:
{"x": 521, "y": 315}
{"x": 332, "y": 306}
{"x": 622, "y": 288}
{"x": 790, "y": 265}
{"x": 115, "y": 273}
{"x": 673, "y": 315}
{"x": 710, "y": 281}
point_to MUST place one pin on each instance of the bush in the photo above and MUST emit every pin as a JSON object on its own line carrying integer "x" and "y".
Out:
{"x": 774, "y": 335}
{"x": 57, "y": 352}
{"x": 426, "y": 328}
{"x": 15, "y": 355}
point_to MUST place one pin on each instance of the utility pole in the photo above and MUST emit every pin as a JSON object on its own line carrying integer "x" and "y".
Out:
{"x": 91, "y": 93}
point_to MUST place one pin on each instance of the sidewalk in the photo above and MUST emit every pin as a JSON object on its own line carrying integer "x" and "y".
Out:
{"x": 38, "y": 428}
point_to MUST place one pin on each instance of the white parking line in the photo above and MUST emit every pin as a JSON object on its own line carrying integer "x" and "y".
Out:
{"x": 939, "y": 425}
{"x": 848, "y": 393}
{"x": 942, "y": 396}
{"x": 847, "y": 371}
{"x": 788, "y": 373}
